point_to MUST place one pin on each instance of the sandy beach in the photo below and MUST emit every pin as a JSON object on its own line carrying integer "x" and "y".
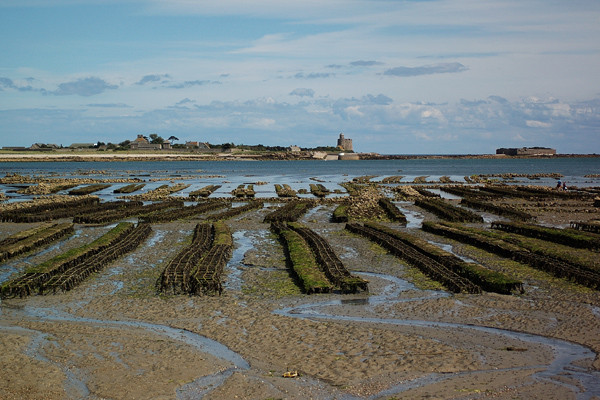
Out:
{"x": 115, "y": 337}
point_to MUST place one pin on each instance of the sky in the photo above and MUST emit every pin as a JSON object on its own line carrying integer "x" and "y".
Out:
{"x": 395, "y": 76}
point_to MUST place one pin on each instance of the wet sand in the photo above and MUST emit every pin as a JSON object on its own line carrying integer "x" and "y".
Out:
{"x": 115, "y": 337}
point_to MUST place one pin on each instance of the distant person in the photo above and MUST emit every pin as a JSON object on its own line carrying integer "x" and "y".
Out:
{"x": 564, "y": 186}
{"x": 558, "y": 185}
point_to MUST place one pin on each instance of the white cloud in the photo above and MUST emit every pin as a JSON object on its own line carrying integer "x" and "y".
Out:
{"x": 108, "y": 105}
{"x": 313, "y": 75}
{"x": 354, "y": 111}
{"x": 461, "y": 126}
{"x": 84, "y": 87}
{"x": 423, "y": 136}
{"x": 302, "y": 92}
{"x": 185, "y": 101}
{"x": 261, "y": 123}
{"x": 442, "y": 68}
{"x": 364, "y": 63}
{"x": 434, "y": 114}
{"x": 196, "y": 82}
{"x": 538, "y": 124}
{"x": 153, "y": 78}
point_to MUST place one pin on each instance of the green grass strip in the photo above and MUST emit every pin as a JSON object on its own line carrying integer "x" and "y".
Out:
{"x": 105, "y": 239}
{"x": 33, "y": 239}
{"x": 340, "y": 214}
{"x": 222, "y": 234}
{"x": 353, "y": 189}
{"x": 583, "y": 258}
{"x": 567, "y": 237}
{"x": 496, "y": 209}
{"x": 312, "y": 279}
{"x": 489, "y": 280}
{"x": 534, "y": 252}
{"x": 134, "y": 187}
{"x": 447, "y": 211}
{"x": 392, "y": 211}
{"x": 89, "y": 189}
{"x": 205, "y": 191}
{"x": 25, "y": 234}
{"x": 292, "y": 211}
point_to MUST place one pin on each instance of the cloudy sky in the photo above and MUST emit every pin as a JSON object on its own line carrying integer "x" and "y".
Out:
{"x": 396, "y": 76}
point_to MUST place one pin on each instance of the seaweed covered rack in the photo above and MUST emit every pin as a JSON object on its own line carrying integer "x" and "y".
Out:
{"x": 66, "y": 270}
{"x": 314, "y": 261}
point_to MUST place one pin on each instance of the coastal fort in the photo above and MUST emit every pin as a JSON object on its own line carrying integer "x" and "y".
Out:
{"x": 344, "y": 144}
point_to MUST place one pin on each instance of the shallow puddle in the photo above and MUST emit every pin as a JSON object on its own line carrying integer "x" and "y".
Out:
{"x": 444, "y": 195}
{"x": 414, "y": 219}
{"x": 244, "y": 241}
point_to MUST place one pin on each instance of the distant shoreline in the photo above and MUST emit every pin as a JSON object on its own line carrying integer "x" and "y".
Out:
{"x": 130, "y": 156}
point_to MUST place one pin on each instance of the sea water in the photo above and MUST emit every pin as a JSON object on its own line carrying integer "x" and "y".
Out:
{"x": 299, "y": 174}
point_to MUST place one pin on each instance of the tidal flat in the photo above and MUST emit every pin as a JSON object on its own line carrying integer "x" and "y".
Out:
{"x": 117, "y": 335}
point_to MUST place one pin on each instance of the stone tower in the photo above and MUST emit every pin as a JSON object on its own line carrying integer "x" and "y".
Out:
{"x": 344, "y": 144}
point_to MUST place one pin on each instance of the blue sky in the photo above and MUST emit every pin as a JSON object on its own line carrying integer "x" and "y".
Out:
{"x": 401, "y": 77}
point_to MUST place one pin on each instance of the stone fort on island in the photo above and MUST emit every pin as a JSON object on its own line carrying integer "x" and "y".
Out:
{"x": 344, "y": 144}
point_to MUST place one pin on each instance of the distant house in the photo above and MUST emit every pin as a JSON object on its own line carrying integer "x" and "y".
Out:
{"x": 197, "y": 145}
{"x": 141, "y": 143}
{"x": 44, "y": 146}
{"x": 527, "y": 151}
{"x": 294, "y": 149}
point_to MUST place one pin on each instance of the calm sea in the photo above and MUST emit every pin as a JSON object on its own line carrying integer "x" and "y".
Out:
{"x": 298, "y": 174}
